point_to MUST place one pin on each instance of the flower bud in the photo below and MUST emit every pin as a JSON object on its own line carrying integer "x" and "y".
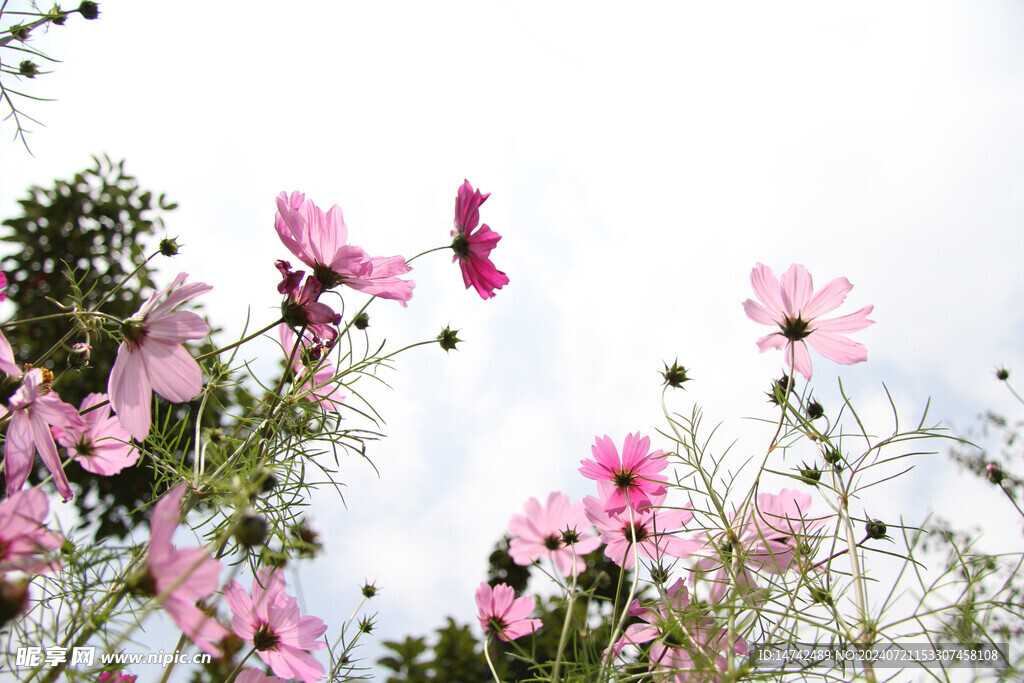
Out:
{"x": 20, "y": 32}
{"x": 57, "y": 15}
{"x": 369, "y": 590}
{"x": 1002, "y": 374}
{"x": 810, "y": 474}
{"x": 448, "y": 339}
{"x": 89, "y": 9}
{"x": 28, "y": 68}
{"x": 169, "y": 246}
{"x": 79, "y": 355}
{"x": 995, "y": 473}
{"x": 362, "y": 321}
{"x": 814, "y": 410}
{"x": 13, "y": 599}
{"x": 876, "y": 529}
{"x": 674, "y": 375}
{"x": 250, "y": 530}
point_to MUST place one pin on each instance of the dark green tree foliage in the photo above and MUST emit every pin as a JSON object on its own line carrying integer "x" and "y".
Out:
{"x": 457, "y": 656}
{"x": 72, "y": 245}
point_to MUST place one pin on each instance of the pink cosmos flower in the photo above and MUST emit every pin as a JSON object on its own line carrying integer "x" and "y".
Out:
{"x": 473, "y": 247}
{"x": 672, "y": 661}
{"x": 192, "y": 573}
{"x": 635, "y": 474}
{"x": 301, "y": 307}
{"x": 103, "y": 447}
{"x": 768, "y": 541}
{"x": 254, "y": 676}
{"x": 24, "y": 541}
{"x": 7, "y": 364}
{"x": 547, "y": 532}
{"x": 796, "y": 309}
{"x": 654, "y": 529}
{"x": 501, "y": 613}
{"x": 116, "y": 677}
{"x": 319, "y": 386}
{"x": 152, "y": 358}
{"x": 320, "y": 241}
{"x": 35, "y": 408}
{"x": 270, "y": 622}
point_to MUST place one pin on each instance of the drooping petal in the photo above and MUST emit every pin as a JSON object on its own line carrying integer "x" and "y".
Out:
{"x": 43, "y": 439}
{"x": 19, "y": 450}
{"x": 130, "y": 392}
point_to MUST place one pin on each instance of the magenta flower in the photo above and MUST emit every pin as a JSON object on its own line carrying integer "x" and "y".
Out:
{"x": 501, "y": 613}
{"x": 687, "y": 647}
{"x": 116, "y": 677}
{"x": 320, "y": 241}
{"x": 473, "y": 247}
{"x": 103, "y": 447}
{"x": 318, "y": 379}
{"x": 270, "y": 622}
{"x": 554, "y": 531}
{"x": 189, "y": 575}
{"x": 301, "y": 307}
{"x": 35, "y": 408}
{"x": 653, "y": 527}
{"x": 254, "y": 676}
{"x": 768, "y": 541}
{"x": 24, "y": 541}
{"x": 635, "y": 474}
{"x": 152, "y": 358}
{"x": 795, "y": 308}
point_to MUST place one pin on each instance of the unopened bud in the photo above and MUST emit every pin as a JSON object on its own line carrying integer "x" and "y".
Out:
{"x": 169, "y": 246}
{"x": 814, "y": 410}
{"x": 251, "y": 530}
{"x": 995, "y": 473}
{"x": 448, "y": 339}
{"x": 1002, "y": 374}
{"x": 28, "y": 69}
{"x": 876, "y": 529}
{"x": 362, "y": 321}
{"x": 13, "y": 599}
{"x": 89, "y": 9}
{"x": 369, "y": 590}
{"x": 674, "y": 375}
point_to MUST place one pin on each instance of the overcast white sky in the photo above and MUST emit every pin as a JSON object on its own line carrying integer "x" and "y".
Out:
{"x": 640, "y": 162}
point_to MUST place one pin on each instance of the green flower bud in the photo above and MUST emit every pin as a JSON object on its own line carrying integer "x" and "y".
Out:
{"x": 89, "y": 9}
{"x": 28, "y": 69}
{"x": 448, "y": 339}
{"x": 876, "y": 529}
{"x": 674, "y": 376}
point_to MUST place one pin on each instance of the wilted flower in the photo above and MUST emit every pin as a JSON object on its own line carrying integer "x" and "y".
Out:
{"x": 796, "y": 309}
